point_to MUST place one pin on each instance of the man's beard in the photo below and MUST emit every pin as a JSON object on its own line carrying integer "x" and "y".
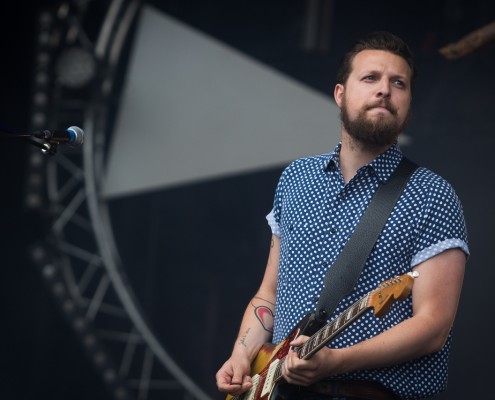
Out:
{"x": 373, "y": 133}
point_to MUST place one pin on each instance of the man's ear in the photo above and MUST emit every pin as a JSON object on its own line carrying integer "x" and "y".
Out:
{"x": 338, "y": 94}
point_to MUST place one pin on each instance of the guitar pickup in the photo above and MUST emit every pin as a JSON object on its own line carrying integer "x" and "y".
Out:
{"x": 267, "y": 387}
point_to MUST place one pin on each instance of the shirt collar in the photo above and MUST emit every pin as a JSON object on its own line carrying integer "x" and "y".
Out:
{"x": 383, "y": 165}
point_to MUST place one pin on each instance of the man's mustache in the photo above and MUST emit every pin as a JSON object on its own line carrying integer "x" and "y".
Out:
{"x": 385, "y": 104}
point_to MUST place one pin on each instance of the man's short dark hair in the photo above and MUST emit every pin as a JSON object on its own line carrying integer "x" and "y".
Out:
{"x": 380, "y": 40}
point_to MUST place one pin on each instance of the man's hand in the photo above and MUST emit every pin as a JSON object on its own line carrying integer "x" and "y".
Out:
{"x": 305, "y": 372}
{"x": 233, "y": 378}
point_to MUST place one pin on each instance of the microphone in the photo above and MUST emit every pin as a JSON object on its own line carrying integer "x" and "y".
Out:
{"x": 74, "y": 136}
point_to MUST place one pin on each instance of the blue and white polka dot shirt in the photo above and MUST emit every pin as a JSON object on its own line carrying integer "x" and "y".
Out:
{"x": 314, "y": 215}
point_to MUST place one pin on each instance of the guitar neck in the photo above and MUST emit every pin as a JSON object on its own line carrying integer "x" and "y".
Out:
{"x": 334, "y": 328}
{"x": 325, "y": 334}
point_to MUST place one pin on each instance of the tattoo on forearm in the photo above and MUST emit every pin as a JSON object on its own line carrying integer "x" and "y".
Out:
{"x": 242, "y": 340}
{"x": 261, "y": 298}
{"x": 264, "y": 314}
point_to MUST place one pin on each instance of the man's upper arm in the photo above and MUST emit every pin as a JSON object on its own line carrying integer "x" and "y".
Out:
{"x": 437, "y": 290}
{"x": 268, "y": 286}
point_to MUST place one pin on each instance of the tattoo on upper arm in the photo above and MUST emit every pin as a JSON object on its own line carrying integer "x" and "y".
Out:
{"x": 272, "y": 243}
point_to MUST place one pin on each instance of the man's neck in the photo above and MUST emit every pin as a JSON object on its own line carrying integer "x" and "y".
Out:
{"x": 354, "y": 154}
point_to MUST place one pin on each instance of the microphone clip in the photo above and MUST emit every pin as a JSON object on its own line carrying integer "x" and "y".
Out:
{"x": 48, "y": 148}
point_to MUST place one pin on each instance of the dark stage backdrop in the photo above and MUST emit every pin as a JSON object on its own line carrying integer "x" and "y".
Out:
{"x": 195, "y": 253}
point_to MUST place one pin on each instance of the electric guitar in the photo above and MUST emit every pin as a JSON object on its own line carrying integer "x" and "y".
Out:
{"x": 267, "y": 366}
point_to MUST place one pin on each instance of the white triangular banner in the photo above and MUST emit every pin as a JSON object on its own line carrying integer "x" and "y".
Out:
{"x": 195, "y": 109}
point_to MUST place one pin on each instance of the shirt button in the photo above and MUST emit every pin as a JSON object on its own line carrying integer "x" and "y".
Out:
{"x": 333, "y": 229}
{"x": 324, "y": 263}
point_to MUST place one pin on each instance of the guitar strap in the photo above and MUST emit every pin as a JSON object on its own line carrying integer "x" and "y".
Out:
{"x": 344, "y": 272}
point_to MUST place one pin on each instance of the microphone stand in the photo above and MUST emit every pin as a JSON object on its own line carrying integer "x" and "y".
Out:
{"x": 47, "y": 147}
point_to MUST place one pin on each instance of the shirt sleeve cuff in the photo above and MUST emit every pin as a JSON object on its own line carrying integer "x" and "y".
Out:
{"x": 273, "y": 224}
{"x": 438, "y": 248}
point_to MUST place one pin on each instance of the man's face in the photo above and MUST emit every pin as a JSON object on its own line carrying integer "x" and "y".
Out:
{"x": 375, "y": 100}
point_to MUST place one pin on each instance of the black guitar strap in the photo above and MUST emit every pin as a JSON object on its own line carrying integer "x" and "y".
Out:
{"x": 344, "y": 272}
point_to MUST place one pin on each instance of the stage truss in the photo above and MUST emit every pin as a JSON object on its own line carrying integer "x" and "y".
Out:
{"x": 76, "y": 83}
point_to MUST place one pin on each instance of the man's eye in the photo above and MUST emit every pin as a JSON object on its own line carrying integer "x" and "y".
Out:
{"x": 369, "y": 78}
{"x": 400, "y": 83}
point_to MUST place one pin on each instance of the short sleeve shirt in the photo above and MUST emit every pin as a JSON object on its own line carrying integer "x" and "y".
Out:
{"x": 315, "y": 213}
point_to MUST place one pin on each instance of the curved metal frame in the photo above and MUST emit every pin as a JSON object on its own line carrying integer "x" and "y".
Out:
{"x": 86, "y": 273}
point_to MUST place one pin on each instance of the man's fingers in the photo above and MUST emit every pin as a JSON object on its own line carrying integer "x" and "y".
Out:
{"x": 238, "y": 377}
{"x": 237, "y": 385}
{"x": 299, "y": 341}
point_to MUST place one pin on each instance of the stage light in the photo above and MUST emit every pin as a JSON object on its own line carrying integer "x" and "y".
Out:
{"x": 68, "y": 306}
{"x": 40, "y": 99}
{"x": 58, "y": 289}
{"x": 75, "y": 68}
{"x": 109, "y": 375}
{"x": 79, "y": 324}
{"x": 89, "y": 340}
{"x": 38, "y": 119}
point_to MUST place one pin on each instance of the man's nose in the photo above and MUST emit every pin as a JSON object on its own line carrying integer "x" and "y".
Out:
{"x": 383, "y": 88}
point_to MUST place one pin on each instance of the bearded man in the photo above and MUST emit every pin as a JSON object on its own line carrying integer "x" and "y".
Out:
{"x": 318, "y": 202}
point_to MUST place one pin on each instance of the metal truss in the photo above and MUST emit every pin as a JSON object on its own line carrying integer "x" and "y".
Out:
{"x": 77, "y": 256}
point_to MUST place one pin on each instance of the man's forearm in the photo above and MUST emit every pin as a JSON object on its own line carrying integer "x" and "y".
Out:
{"x": 256, "y": 328}
{"x": 411, "y": 339}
